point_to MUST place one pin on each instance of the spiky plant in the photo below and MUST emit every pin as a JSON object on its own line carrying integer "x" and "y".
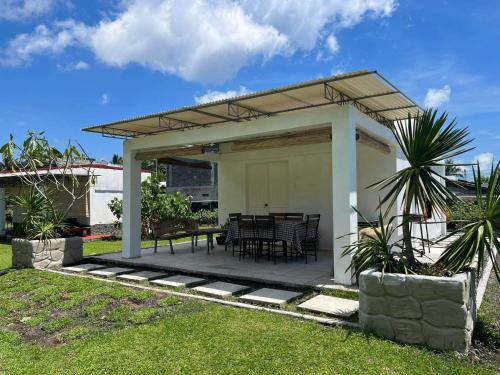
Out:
{"x": 426, "y": 142}
{"x": 479, "y": 237}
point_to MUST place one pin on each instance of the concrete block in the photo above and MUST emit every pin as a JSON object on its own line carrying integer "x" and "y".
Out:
{"x": 444, "y": 313}
{"x": 377, "y": 324}
{"x": 330, "y": 305}
{"x": 446, "y": 338}
{"x": 111, "y": 272}
{"x": 408, "y": 331}
{"x": 268, "y": 296}
{"x": 370, "y": 283}
{"x": 83, "y": 268}
{"x": 426, "y": 288}
{"x": 395, "y": 285}
{"x": 179, "y": 281}
{"x": 140, "y": 277}
{"x": 221, "y": 289}
{"x": 404, "y": 307}
{"x": 372, "y": 305}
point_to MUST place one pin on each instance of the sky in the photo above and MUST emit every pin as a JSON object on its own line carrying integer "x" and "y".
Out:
{"x": 68, "y": 64}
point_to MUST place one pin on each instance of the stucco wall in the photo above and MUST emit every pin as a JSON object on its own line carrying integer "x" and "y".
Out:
{"x": 309, "y": 182}
{"x": 436, "y": 311}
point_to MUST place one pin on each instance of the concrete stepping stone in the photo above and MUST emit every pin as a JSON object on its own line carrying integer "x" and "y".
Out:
{"x": 179, "y": 281}
{"x": 270, "y": 296}
{"x": 141, "y": 276}
{"x": 221, "y": 289}
{"x": 82, "y": 268}
{"x": 330, "y": 305}
{"x": 111, "y": 272}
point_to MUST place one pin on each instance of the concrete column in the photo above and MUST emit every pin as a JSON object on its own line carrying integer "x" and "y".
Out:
{"x": 344, "y": 188}
{"x": 2, "y": 211}
{"x": 131, "y": 226}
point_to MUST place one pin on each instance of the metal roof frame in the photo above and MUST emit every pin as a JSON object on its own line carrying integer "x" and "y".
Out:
{"x": 238, "y": 111}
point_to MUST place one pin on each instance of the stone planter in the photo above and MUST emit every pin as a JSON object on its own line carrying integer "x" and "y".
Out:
{"x": 439, "y": 312}
{"x": 46, "y": 254}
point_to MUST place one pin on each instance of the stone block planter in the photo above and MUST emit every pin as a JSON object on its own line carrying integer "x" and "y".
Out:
{"x": 46, "y": 254}
{"x": 439, "y": 312}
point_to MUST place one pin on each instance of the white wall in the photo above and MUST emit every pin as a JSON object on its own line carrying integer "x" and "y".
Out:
{"x": 108, "y": 185}
{"x": 309, "y": 182}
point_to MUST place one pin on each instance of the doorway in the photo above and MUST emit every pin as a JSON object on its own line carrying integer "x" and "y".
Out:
{"x": 267, "y": 187}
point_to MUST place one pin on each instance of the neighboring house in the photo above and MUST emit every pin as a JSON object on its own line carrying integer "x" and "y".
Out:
{"x": 89, "y": 211}
{"x": 311, "y": 147}
{"x": 462, "y": 188}
{"x": 195, "y": 178}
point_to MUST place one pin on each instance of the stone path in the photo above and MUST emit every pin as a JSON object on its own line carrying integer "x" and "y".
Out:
{"x": 330, "y": 305}
{"x": 221, "y": 289}
{"x": 111, "y": 272}
{"x": 179, "y": 281}
{"x": 270, "y": 296}
{"x": 141, "y": 276}
{"x": 83, "y": 268}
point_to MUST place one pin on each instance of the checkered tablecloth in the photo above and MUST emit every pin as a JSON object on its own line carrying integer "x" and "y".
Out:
{"x": 293, "y": 232}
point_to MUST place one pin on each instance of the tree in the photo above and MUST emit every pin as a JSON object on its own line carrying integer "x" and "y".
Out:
{"x": 426, "y": 141}
{"x": 47, "y": 174}
{"x": 117, "y": 159}
{"x": 452, "y": 168}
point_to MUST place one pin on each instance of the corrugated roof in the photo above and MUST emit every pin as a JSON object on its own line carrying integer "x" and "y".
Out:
{"x": 368, "y": 91}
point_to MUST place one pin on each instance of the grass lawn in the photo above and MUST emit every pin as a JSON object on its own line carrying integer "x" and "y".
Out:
{"x": 59, "y": 324}
{"x": 55, "y": 324}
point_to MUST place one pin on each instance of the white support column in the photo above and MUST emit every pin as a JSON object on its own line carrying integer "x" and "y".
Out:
{"x": 131, "y": 226}
{"x": 2, "y": 211}
{"x": 345, "y": 219}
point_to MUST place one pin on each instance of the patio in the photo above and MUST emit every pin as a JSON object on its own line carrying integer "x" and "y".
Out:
{"x": 221, "y": 264}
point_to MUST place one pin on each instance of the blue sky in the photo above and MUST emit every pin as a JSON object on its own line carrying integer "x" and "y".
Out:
{"x": 67, "y": 64}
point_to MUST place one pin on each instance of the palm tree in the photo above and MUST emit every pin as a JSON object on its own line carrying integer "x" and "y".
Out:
{"x": 426, "y": 141}
{"x": 452, "y": 168}
{"x": 117, "y": 159}
{"x": 479, "y": 237}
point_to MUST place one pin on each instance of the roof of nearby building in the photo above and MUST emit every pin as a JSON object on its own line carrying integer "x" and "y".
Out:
{"x": 369, "y": 91}
{"x": 78, "y": 170}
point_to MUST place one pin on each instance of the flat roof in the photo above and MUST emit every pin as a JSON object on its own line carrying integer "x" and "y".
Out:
{"x": 369, "y": 91}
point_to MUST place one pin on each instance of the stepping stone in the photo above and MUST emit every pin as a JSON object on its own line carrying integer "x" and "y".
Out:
{"x": 270, "y": 296}
{"x": 221, "y": 289}
{"x": 331, "y": 305}
{"x": 179, "y": 281}
{"x": 141, "y": 276}
{"x": 82, "y": 268}
{"x": 111, "y": 272}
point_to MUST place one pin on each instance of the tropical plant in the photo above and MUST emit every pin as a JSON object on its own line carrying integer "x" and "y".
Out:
{"x": 206, "y": 217}
{"x": 376, "y": 248}
{"x": 478, "y": 237}
{"x": 117, "y": 159}
{"x": 47, "y": 174}
{"x": 452, "y": 168}
{"x": 156, "y": 206}
{"x": 426, "y": 142}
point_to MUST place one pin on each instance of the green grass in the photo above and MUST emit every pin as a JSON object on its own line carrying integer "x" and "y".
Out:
{"x": 82, "y": 326}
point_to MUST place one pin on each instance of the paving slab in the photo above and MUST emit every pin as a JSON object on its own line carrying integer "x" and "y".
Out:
{"x": 141, "y": 276}
{"x": 111, "y": 272}
{"x": 179, "y": 281}
{"x": 270, "y": 296}
{"x": 82, "y": 268}
{"x": 330, "y": 305}
{"x": 221, "y": 289}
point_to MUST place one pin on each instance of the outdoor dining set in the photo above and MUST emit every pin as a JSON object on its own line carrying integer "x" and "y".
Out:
{"x": 286, "y": 235}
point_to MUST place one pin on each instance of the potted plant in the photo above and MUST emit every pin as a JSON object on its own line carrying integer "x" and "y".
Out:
{"x": 400, "y": 297}
{"x": 51, "y": 182}
{"x": 221, "y": 238}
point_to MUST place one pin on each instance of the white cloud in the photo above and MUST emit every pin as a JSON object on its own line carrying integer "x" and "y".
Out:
{"x": 485, "y": 161}
{"x": 333, "y": 44}
{"x": 22, "y": 49}
{"x": 436, "y": 97}
{"x": 212, "y": 96}
{"x": 80, "y": 65}
{"x": 204, "y": 40}
{"x": 15, "y": 10}
{"x": 105, "y": 99}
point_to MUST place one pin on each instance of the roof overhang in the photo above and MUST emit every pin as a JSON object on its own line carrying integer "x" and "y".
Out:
{"x": 368, "y": 91}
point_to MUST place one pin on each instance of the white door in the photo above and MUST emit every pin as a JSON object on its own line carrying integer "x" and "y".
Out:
{"x": 267, "y": 187}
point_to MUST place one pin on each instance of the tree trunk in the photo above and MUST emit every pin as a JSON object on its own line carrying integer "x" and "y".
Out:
{"x": 408, "y": 247}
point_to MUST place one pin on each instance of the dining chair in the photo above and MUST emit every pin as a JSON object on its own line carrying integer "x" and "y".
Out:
{"x": 247, "y": 235}
{"x": 233, "y": 225}
{"x": 294, "y": 216}
{"x": 266, "y": 233}
{"x": 310, "y": 241}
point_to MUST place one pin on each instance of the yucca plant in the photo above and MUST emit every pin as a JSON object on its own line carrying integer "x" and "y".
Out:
{"x": 479, "y": 237}
{"x": 426, "y": 141}
{"x": 376, "y": 249}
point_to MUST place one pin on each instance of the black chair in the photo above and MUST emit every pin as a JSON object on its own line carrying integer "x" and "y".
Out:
{"x": 266, "y": 234}
{"x": 278, "y": 215}
{"x": 248, "y": 240}
{"x": 233, "y": 220}
{"x": 294, "y": 216}
{"x": 310, "y": 241}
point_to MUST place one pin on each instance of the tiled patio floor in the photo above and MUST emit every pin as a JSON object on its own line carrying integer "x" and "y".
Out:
{"x": 222, "y": 264}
